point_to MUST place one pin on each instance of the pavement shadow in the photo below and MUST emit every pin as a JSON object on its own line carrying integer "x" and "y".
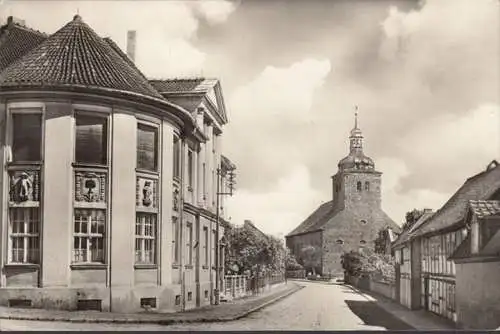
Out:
{"x": 374, "y": 315}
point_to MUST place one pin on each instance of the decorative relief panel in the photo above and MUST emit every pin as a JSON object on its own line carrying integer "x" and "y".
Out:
{"x": 24, "y": 186}
{"x": 90, "y": 186}
{"x": 146, "y": 193}
{"x": 175, "y": 197}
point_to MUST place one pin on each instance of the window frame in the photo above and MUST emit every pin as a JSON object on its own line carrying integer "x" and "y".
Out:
{"x": 143, "y": 238}
{"x": 190, "y": 168}
{"x": 157, "y": 145}
{"x": 206, "y": 238}
{"x": 367, "y": 186}
{"x": 26, "y": 236}
{"x": 175, "y": 241}
{"x": 89, "y": 235}
{"x": 189, "y": 243}
{"x": 176, "y": 158}
{"x": 90, "y": 111}
{"x": 28, "y": 110}
{"x": 359, "y": 186}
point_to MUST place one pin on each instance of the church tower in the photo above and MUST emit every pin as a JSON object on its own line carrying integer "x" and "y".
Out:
{"x": 357, "y": 183}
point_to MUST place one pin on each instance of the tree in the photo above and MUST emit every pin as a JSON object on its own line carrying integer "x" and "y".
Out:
{"x": 248, "y": 251}
{"x": 411, "y": 218}
{"x": 311, "y": 257}
{"x": 291, "y": 261}
{"x": 381, "y": 241}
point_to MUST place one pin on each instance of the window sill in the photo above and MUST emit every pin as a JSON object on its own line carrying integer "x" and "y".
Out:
{"x": 88, "y": 266}
{"x": 22, "y": 265}
{"x": 23, "y": 164}
{"x": 188, "y": 266}
{"x": 145, "y": 266}
{"x": 147, "y": 171}
{"x": 89, "y": 165}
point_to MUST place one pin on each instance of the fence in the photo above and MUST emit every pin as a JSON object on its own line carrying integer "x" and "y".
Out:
{"x": 300, "y": 273}
{"x": 237, "y": 286}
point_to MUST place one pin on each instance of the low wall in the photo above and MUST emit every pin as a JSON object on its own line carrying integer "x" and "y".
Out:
{"x": 367, "y": 283}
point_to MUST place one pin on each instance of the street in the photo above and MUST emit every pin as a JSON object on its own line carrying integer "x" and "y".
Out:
{"x": 316, "y": 307}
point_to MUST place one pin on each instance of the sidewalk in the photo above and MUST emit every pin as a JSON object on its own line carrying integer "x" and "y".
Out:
{"x": 418, "y": 319}
{"x": 227, "y": 311}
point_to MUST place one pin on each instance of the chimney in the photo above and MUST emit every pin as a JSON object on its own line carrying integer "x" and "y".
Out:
{"x": 131, "y": 44}
{"x": 15, "y": 20}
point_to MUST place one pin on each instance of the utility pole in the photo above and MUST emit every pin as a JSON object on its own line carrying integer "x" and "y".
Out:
{"x": 217, "y": 222}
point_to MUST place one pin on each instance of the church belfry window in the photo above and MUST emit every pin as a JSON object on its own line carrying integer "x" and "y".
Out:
{"x": 367, "y": 186}
{"x": 359, "y": 186}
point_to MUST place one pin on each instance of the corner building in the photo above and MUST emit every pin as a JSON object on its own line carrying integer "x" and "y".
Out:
{"x": 352, "y": 219}
{"x": 108, "y": 179}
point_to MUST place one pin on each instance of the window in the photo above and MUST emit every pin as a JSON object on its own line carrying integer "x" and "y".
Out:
{"x": 363, "y": 221}
{"x": 26, "y": 137}
{"x": 189, "y": 243}
{"x": 175, "y": 239}
{"x": 362, "y": 242}
{"x": 205, "y": 245}
{"x": 145, "y": 238}
{"x": 204, "y": 171}
{"x": 190, "y": 169}
{"x": 340, "y": 242}
{"x": 214, "y": 238}
{"x": 177, "y": 160}
{"x": 367, "y": 186}
{"x": 359, "y": 186}
{"x": 88, "y": 235}
{"x": 147, "y": 147}
{"x": 24, "y": 235}
{"x": 91, "y": 139}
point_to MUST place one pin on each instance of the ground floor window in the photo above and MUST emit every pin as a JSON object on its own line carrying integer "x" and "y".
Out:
{"x": 145, "y": 238}
{"x": 24, "y": 235}
{"x": 89, "y": 233}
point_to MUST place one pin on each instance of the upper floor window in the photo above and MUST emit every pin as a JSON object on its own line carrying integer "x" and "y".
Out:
{"x": 359, "y": 186}
{"x": 177, "y": 156}
{"x": 26, "y": 137}
{"x": 190, "y": 166}
{"x": 91, "y": 142}
{"x": 147, "y": 147}
{"x": 175, "y": 240}
{"x": 367, "y": 186}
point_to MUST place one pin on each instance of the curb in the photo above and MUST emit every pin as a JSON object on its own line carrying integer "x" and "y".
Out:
{"x": 165, "y": 322}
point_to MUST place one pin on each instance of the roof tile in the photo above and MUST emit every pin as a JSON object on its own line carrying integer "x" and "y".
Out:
{"x": 485, "y": 208}
{"x": 76, "y": 55}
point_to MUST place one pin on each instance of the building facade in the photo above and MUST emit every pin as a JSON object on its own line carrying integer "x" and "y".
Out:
{"x": 352, "y": 219}
{"x": 431, "y": 247}
{"x": 108, "y": 186}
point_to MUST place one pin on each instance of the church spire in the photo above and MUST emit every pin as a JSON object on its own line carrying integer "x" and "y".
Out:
{"x": 356, "y": 137}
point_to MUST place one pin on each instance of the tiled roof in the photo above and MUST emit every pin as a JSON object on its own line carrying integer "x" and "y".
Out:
{"x": 227, "y": 163}
{"x": 15, "y": 41}
{"x": 76, "y": 56}
{"x": 122, "y": 54}
{"x": 406, "y": 235}
{"x": 183, "y": 85}
{"x": 479, "y": 187}
{"x": 485, "y": 208}
{"x": 317, "y": 219}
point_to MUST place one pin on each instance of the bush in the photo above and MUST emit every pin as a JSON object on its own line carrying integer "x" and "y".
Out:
{"x": 375, "y": 265}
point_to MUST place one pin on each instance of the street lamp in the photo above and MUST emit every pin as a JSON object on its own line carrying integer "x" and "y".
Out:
{"x": 231, "y": 184}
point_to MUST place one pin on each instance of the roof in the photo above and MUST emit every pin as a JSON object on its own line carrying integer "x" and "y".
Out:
{"x": 76, "y": 56}
{"x": 484, "y": 209}
{"x": 479, "y": 187}
{"x": 183, "y": 85}
{"x": 463, "y": 250}
{"x": 190, "y": 103}
{"x": 227, "y": 163}
{"x": 406, "y": 235}
{"x": 317, "y": 219}
{"x": 16, "y": 40}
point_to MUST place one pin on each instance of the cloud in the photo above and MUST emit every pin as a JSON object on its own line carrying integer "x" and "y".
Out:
{"x": 277, "y": 210}
{"x": 214, "y": 11}
{"x": 265, "y": 113}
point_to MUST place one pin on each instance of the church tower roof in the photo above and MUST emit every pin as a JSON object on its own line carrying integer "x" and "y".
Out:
{"x": 356, "y": 160}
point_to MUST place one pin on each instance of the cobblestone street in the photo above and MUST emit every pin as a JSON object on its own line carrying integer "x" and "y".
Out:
{"x": 316, "y": 307}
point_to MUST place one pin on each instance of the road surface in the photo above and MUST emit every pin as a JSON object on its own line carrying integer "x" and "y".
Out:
{"x": 316, "y": 307}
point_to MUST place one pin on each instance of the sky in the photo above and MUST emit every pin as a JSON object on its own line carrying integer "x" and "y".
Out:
{"x": 425, "y": 75}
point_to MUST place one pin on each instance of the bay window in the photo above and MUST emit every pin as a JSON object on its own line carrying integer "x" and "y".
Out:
{"x": 23, "y": 169}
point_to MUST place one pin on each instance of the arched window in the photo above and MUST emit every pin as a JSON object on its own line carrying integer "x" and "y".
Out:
{"x": 367, "y": 186}
{"x": 362, "y": 242}
{"x": 340, "y": 242}
{"x": 359, "y": 186}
